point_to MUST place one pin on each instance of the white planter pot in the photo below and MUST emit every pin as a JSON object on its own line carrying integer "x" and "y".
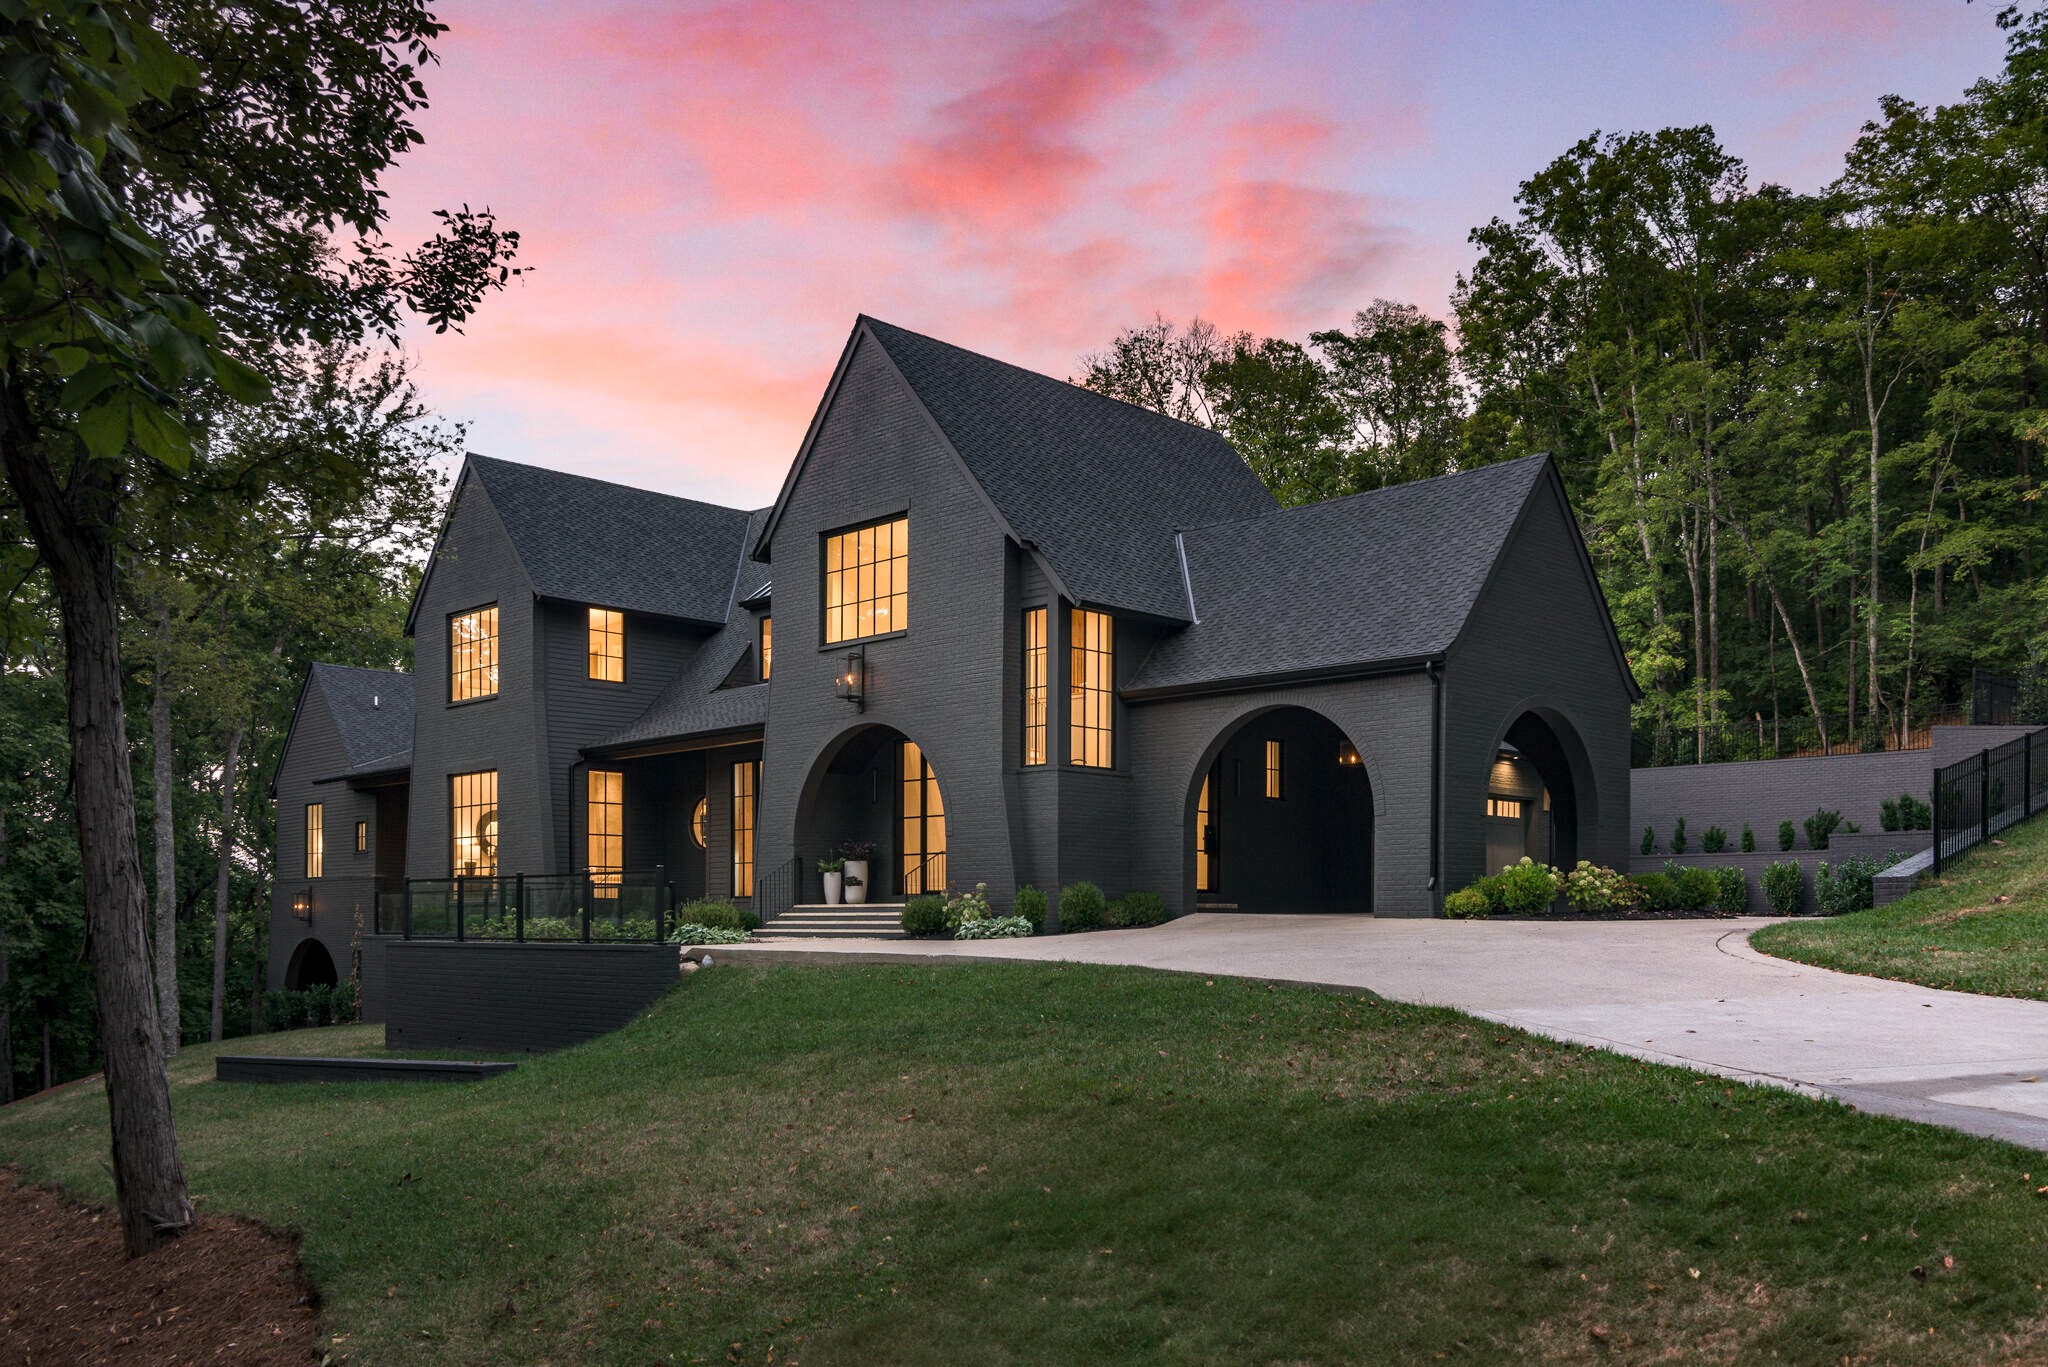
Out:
{"x": 856, "y": 892}
{"x": 833, "y": 888}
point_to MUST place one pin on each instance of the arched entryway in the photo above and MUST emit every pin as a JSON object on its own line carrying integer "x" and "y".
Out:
{"x": 1538, "y": 793}
{"x": 876, "y": 785}
{"x": 1279, "y": 818}
{"x": 310, "y": 966}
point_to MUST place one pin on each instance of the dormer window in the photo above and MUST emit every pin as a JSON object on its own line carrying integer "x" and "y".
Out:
{"x": 607, "y": 645}
{"x": 1091, "y": 671}
{"x": 867, "y": 581}
{"x": 473, "y": 654}
{"x": 767, "y": 646}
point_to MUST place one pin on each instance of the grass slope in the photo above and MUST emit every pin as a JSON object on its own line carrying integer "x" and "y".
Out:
{"x": 1069, "y": 1164}
{"x": 1981, "y": 927}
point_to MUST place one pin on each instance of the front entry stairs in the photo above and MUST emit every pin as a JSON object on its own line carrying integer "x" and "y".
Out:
{"x": 818, "y": 921}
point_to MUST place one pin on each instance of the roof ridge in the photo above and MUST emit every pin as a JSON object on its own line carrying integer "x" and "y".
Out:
{"x": 1364, "y": 494}
{"x": 476, "y": 458}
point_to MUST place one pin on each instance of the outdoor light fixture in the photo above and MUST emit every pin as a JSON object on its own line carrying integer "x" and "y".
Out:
{"x": 1347, "y": 755}
{"x": 302, "y": 904}
{"x": 852, "y": 682}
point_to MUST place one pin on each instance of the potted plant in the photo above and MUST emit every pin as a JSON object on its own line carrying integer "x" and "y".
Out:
{"x": 832, "y": 869}
{"x": 856, "y": 853}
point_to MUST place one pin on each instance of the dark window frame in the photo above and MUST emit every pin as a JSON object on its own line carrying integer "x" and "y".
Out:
{"x": 497, "y": 652}
{"x": 625, "y": 668}
{"x": 825, "y": 641}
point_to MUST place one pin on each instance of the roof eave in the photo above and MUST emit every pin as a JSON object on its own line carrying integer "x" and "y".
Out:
{"x": 1248, "y": 683}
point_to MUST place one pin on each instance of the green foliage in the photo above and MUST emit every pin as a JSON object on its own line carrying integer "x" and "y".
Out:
{"x": 1030, "y": 904}
{"x": 1654, "y": 891}
{"x": 833, "y": 865}
{"x": 1527, "y": 887}
{"x": 689, "y": 933}
{"x": 1784, "y": 884}
{"x": 1732, "y": 896}
{"x": 1691, "y": 888}
{"x": 967, "y": 907}
{"x": 1905, "y": 813}
{"x": 1136, "y": 909}
{"x": 1466, "y": 904}
{"x": 994, "y": 928}
{"x": 1649, "y": 845}
{"x": 716, "y": 912}
{"x": 925, "y": 916}
{"x": 1714, "y": 840}
{"x": 1082, "y": 907}
{"x": 1592, "y": 887}
{"x": 1788, "y": 835}
{"x": 319, "y": 1005}
{"x": 1846, "y": 886}
{"x": 1820, "y": 826}
{"x": 1678, "y": 837}
{"x": 1748, "y": 839}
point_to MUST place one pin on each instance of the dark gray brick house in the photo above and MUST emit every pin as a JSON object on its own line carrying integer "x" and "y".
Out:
{"x": 1004, "y": 628}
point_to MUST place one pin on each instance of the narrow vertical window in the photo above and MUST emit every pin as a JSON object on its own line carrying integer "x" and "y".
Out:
{"x": 867, "y": 581}
{"x": 362, "y": 837}
{"x": 1092, "y": 665}
{"x": 923, "y": 825}
{"x": 1272, "y": 768}
{"x": 606, "y": 824}
{"x": 473, "y": 654}
{"x": 745, "y": 777}
{"x": 316, "y": 839}
{"x": 767, "y": 647}
{"x": 1034, "y": 686}
{"x": 473, "y": 823}
{"x": 607, "y": 645}
{"x": 1205, "y": 869}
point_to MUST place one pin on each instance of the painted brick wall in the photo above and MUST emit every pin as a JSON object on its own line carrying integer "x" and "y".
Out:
{"x": 514, "y": 998}
{"x": 347, "y": 887}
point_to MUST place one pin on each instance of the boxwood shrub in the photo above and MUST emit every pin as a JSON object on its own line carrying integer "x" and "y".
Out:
{"x": 925, "y": 915}
{"x": 1734, "y": 890}
{"x": 1030, "y": 904}
{"x": 716, "y": 911}
{"x": 1782, "y": 885}
{"x": 1136, "y": 909}
{"x": 1082, "y": 907}
{"x": 1466, "y": 904}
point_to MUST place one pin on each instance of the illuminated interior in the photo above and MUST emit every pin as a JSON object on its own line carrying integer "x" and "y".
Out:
{"x": 867, "y": 581}
{"x": 607, "y": 645}
{"x": 767, "y": 646}
{"x": 746, "y": 777}
{"x": 606, "y": 821}
{"x": 924, "y": 824}
{"x": 473, "y": 822}
{"x": 1035, "y": 687}
{"x": 1093, "y": 683}
{"x": 473, "y": 654}
{"x": 316, "y": 839}
{"x": 1273, "y": 751}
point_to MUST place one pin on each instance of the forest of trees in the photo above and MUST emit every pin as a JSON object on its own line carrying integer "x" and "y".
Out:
{"x": 1803, "y": 430}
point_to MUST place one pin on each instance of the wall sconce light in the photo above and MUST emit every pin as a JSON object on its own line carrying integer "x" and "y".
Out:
{"x": 852, "y": 682}
{"x": 1347, "y": 755}
{"x": 302, "y": 904}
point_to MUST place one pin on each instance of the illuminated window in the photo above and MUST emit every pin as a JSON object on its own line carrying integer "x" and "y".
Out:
{"x": 607, "y": 645}
{"x": 1092, "y": 667}
{"x": 1272, "y": 768}
{"x": 767, "y": 646}
{"x": 473, "y": 823}
{"x": 867, "y": 581}
{"x": 362, "y": 837}
{"x": 1205, "y": 867}
{"x": 606, "y": 822}
{"x": 473, "y": 654}
{"x": 316, "y": 839}
{"x": 697, "y": 816}
{"x": 924, "y": 824}
{"x": 1034, "y": 686}
{"x": 1509, "y": 807}
{"x": 745, "y": 778}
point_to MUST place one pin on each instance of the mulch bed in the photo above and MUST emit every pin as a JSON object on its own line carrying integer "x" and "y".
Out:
{"x": 226, "y": 1291}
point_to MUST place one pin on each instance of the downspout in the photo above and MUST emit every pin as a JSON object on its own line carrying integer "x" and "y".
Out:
{"x": 1435, "y": 670}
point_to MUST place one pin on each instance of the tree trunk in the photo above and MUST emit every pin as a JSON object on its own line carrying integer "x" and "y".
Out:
{"x": 1791, "y": 637}
{"x": 162, "y": 802}
{"x": 220, "y": 878}
{"x": 73, "y": 523}
{"x": 1874, "y": 409}
{"x": 6, "y": 1016}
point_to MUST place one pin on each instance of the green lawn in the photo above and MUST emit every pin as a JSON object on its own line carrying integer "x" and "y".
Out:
{"x": 1065, "y": 1164}
{"x": 1981, "y": 927}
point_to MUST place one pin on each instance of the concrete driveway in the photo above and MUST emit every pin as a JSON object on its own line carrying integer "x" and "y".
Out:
{"x": 1691, "y": 993}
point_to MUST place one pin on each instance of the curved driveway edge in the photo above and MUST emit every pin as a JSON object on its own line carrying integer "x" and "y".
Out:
{"x": 1690, "y": 993}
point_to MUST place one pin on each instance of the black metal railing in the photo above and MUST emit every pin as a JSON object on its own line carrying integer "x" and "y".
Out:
{"x": 777, "y": 889}
{"x": 928, "y": 876}
{"x": 1655, "y": 744}
{"x": 636, "y": 906}
{"x": 1977, "y": 797}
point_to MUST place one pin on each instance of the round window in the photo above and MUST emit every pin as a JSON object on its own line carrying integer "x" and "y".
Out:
{"x": 697, "y": 821}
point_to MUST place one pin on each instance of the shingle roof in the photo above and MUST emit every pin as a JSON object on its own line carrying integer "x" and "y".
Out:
{"x": 693, "y": 703}
{"x": 591, "y": 541}
{"x": 372, "y": 711}
{"x": 1096, "y": 484}
{"x": 1354, "y": 582}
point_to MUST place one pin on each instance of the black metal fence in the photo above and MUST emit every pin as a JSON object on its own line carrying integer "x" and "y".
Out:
{"x": 780, "y": 887}
{"x": 623, "y": 908}
{"x": 1994, "y": 698}
{"x": 1655, "y": 744}
{"x": 1979, "y": 796}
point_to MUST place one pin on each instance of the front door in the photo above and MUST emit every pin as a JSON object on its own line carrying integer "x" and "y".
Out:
{"x": 1507, "y": 831}
{"x": 1208, "y": 832}
{"x": 921, "y": 867}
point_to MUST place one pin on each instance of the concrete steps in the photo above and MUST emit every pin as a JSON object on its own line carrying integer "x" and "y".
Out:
{"x": 817, "y": 921}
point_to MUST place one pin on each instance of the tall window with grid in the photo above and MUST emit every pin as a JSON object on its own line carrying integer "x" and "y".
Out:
{"x": 924, "y": 824}
{"x": 316, "y": 839}
{"x": 1205, "y": 833}
{"x": 607, "y": 645}
{"x": 1273, "y": 756}
{"x": 473, "y": 823}
{"x": 746, "y": 779}
{"x": 473, "y": 654}
{"x": 867, "y": 581}
{"x": 606, "y": 825}
{"x": 1034, "y": 686}
{"x": 767, "y": 647}
{"x": 1092, "y": 669}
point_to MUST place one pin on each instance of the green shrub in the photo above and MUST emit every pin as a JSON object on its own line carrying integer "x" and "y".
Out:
{"x": 321, "y": 1004}
{"x": 1733, "y": 896}
{"x": 1649, "y": 840}
{"x": 1714, "y": 840}
{"x": 716, "y": 912}
{"x": 1692, "y": 888}
{"x": 1845, "y": 887}
{"x": 1527, "y": 886}
{"x": 924, "y": 915}
{"x": 689, "y": 934}
{"x": 1888, "y": 815}
{"x": 961, "y": 908}
{"x": 1653, "y": 891}
{"x": 1466, "y": 904}
{"x": 1030, "y": 904}
{"x": 1590, "y": 887}
{"x": 1493, "y": 891}
{"x": 1081, "y": 907}
{"x": 1820, "y": 826}
{"x": 1788, "y": 835}
{"x": 1136, "y": 909}
{"x": 1678, "y": 837}
{"x": 994, "y": 928}
{"x": 1748, "y": 839}
{"x": 1783, "y": 884}
{"x": 1917, "y": 815}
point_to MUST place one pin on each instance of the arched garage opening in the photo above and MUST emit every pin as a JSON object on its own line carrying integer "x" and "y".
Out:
{"x": 310, "y": 966}
{"x": 1280, "y": 818}
{"x": 1539, "y": 793}
{"x": 875, "y": 784}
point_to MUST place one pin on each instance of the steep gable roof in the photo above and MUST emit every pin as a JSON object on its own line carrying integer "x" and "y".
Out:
{"x": 692, "y": 703}
{"x": 1095, "y": 485}
{"x": 588, "y": 540}
{"x": 1376, "y": 579}
{"x": 372, "y": 710}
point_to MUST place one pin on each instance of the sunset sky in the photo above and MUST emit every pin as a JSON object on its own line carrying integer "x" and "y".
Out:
{"x": 711, "y": 193}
